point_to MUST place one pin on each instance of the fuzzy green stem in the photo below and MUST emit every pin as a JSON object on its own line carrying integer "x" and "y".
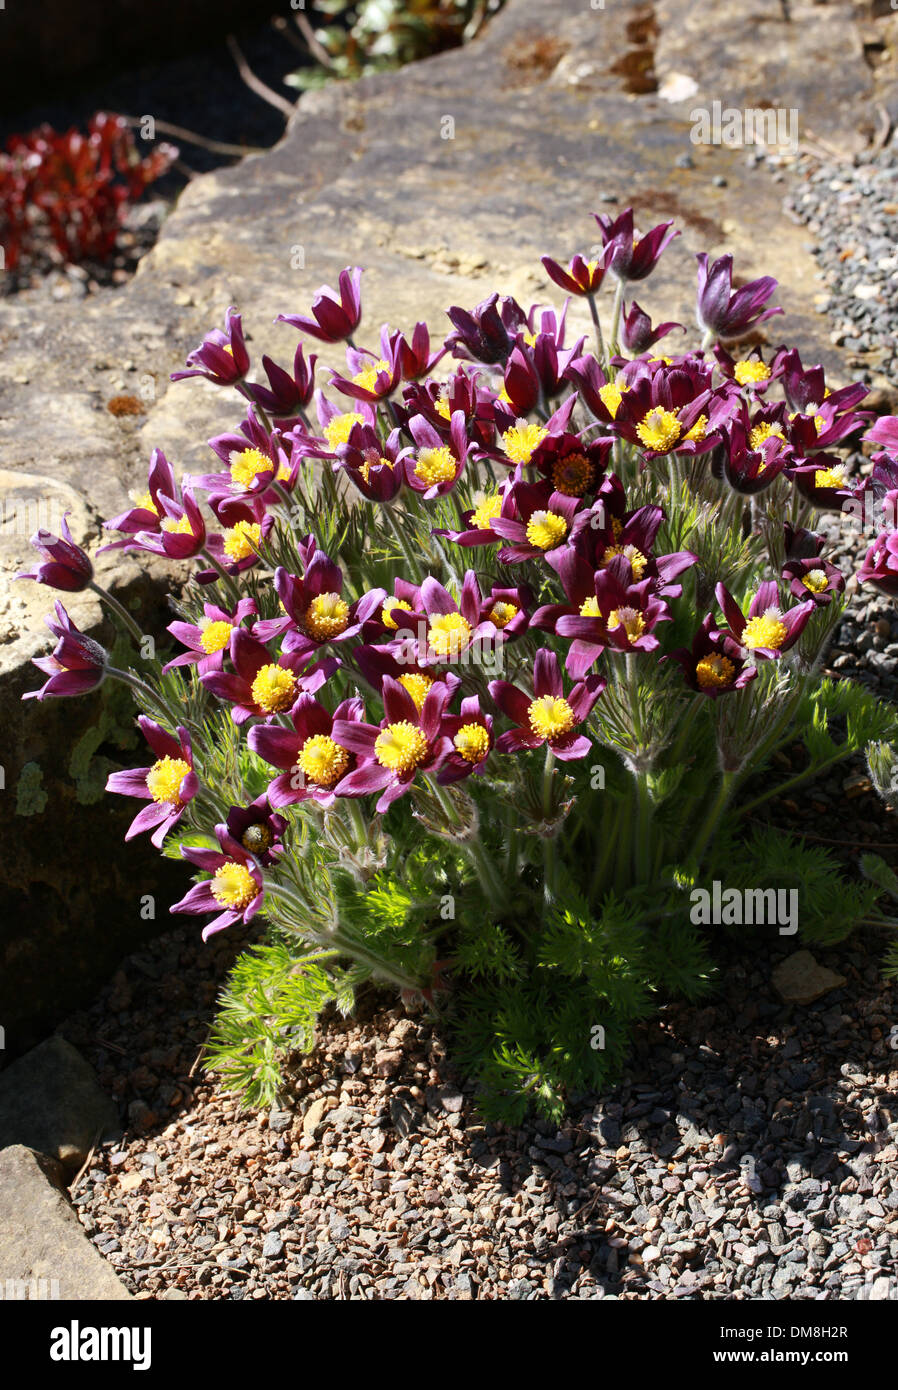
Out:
{"x": 225, "y": 579}
{"x": 119, "y": 610}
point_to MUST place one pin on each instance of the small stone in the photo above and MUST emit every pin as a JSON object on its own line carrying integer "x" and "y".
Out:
{"x": 272, "y": 1246}
{"x": 799, "y": 979}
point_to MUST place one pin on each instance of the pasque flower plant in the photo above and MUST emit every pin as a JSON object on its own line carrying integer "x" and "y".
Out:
{"x": 477, "y": 673}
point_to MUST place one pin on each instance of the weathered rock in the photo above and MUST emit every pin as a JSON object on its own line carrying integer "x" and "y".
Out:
{"x": 42, "y": 1243}
{"x": 800, "y": 979}
{"x": 50, "y": 1101}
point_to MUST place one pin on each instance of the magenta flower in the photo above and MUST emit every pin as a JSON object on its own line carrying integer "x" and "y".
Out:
{"x": 289, "y": 393}
{"x": 581, "y": 277}
{"x": 715, "y": 664}
{"x": 541, "y": 520}
{"x": 416, "y": 359}
{"x": 168, "y": 785}
{"x": 77, "y": 664}
{"x": 374, "y": 468}
{"x": 471, "y": 734}
{"x": 391, "y": 754}
{"x": 486, "y": 334}
{"x": 805, "y": 388}
{"x": 182, "y": 531}
{"x": 238, "y": 547}
{"x": 336, "y": 315}
{"x": 548, "y": 716}
{"x": 258, "y": 829}
{"x": 373, "y": 378}
{"x": 637, "y": 334}
{"x": 207, "y": 640}
{"x": 221, "y": 357}
{"x": 627, "y": 255}
{"x": 260, "y": 685}
{"x": 313, "y": 762}
{"x": 723, "y": 312}
{"x": 885, "y": 432}
{"x": 447, "y": 631}
{"x": 435, "y": 467}
{"x": 814, "y": 579}
{"x": 747, "y": 467}
{"x": 235, "y": 891}
{"x": 65, "y": 565}
{"x": 767, "y": 631}
{"x": 147, "y": 513}
{"x": 880, "y": 567}
{"x": 315, "y": 613}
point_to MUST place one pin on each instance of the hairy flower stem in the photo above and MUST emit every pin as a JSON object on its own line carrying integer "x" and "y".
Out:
{"x": 716, "y": 810}
{"x": 402, "y": 541}
{"x": 489, "y": 877}
{"x": 224, "y": 578}
{"x": 549, "y": 846}
{"x": 148, "y": 692}
{"x": 600, "y": 342}
{"x": 616, "y": 314}
{"x": 118, "y": 609}
{"x": 338, "y": 941}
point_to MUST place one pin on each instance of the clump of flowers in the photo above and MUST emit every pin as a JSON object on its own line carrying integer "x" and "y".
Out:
{"x": 487, "y": 646}
{"x": 70, "y": 190}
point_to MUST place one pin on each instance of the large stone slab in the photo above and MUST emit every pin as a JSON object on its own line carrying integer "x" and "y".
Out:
{"x": 446, "y": 180}
{"x": 43, "y": 1247}
{"x": 50, "y": 1100}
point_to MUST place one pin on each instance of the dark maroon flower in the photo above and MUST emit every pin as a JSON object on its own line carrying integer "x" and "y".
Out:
{"x": 443, "y": 630}
{"x": 373, "y": 378}
{"x": 77, "y": 665}
{"x": 522, "y": 383}
{"x": 825, "y": 481}
{"x": 715, "y": 664}
{"x": 416, "y": 359}
{"x": 315, "y": 613}
{"x": 628, "y": 256}
{"x": 261, "y": 685}
{"x": 750, "y": 468}
{"x": 581, "y": 277}
{"x": 289, "y": 393}
{"x": 767, "y": 631}
{"x": 537, "y": 520}
{"x": 471, "y": 734}
{"x": 805, "y": 388}
{"x": 237, "y": 548}
{"x": 64, "y": 566}
{"x": 336, "y": 316}
{"x": 672, "y": 410}
{"x": 182, "y": 531}
{"x": 313, "y": 763}
{"x": 147, "y": 513}
{"x": 391, "y": 754}
{"x": 375, "y": 468}
{"x": 751, "y": 372}
{"x": 258, "y": 829}
{"x": 880, "y": 567}
{"x": 168, "y": 785}
{"x": 721, "y": 310}
{"x": 548, "y": 716}
{"x": 637, "y": 334}
{"x": 488, "y": 333}
{"x": 813, "y": 579}
{"x": 235, "y": 891}
{"x": 221, "y": 357}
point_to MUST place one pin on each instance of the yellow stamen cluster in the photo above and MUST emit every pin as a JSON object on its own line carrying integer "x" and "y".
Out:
{"x": 486, "y": 512}
{"x": 242, "y": 540}
{"x": 637, "y": 560}
{"x": 246, "y": 466}
{"x": 257, "y": 838}
{"x": 181, "y": 527}
{"x": 545, "y": 530}
{"x": 522, "y": 441}
{"x": 417, "y": 686}
{"x": 473, "y": 742}
{"x": 381, "y": 462}
{"x": 630, "y": 619}
{"x": 589, "y": 608}
{"x": 761, "y": 433}
{"x": 338, "y": 430}
{"x": 659, "y": 430}
{"x": 611, "y": 395}
{"x": 322, "y": 760}
{"x": 391, "y": 606}
{"x": 367, "y": 377}
{"x": 572, "y": 475}
{"x": 441, "y": 405}
{"x": 234, "y": 886}
{"x": 815, "y": 580}
{"x": 435, "y": 466}
{"x": 714, "y": 671}
{"x": 448, "y": 634}
{"x": 164, "y": 779}
{"x": 215, "y": 636}
{"x": 836, "y": 476}
{"x": 502, "y": 613}
{"x": 145, "y": 502}
{"x": 400, "y": 747}
{"x": 750, "y": 371}
{"x": 326, "y": 617}
{"x": 698, "y": 431}
{"x": 766, "y": 630}
{"x": 274, "y": 688}
{"x": 550, "y": 716}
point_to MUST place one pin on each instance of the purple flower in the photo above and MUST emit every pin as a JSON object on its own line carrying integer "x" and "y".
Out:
{"x": 391, "y": 754}
{"x": 208, "y": 640}
{"x": 581, "y": 277}
{"x": 435, "y": 468}
{"x": 336, "y": 315}
{"x": 638, "y": 335}
{"x": 628, "y": 256}
{"x": 548, "y": 716}
{"x": 168, "y": 785}
{"x": 540, "y": 521}
{"x": 416, "y": 359}
{"x": 261, "y": 685}
{"x": 147, "y": 513}
{"x": 258, "y": 829}
{"x": 488, "y": 333}
{"x": 885, "y": 432}
{"x": 235, "y": 891}
{"x": 315, "y": 614}
{"x": 723, "y": 312}
{"x": 880, "y": 567}
{"x": 373, "y": 378}
{"x": 373, "y": 467}
{"x": 182, "y": 531}
{"x": 715, "y": 664}
{"x": 221, "y": 356}
{"x": 813, "y": 579}
{"x": 313, "y": 762}
{"x": 65, "y": 565}
{"x": 288, "y": 394}
{"x": 471, "y": 733}
{"x": 77, "y": 664}
{"x": 767, "y": 631}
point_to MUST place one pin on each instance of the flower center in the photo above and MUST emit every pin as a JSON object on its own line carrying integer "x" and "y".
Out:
{"x": 242, "y": 540}
{"x": 714, "y": 671}
{"x": 545, "y": 530}
{"x": 215, "y": 636}
{"x": 145, "y": 502}
{"x": 326, "y": 616}
{"x": 589, "y": 608}
{"x": 181, "y": 527}
{"x": 375, "y": 460}
{"x": 749, "y": 371}
{"x": 417, "y": 686}
{"x": 815, "y": 580}
{"x": 761, "y": 433}
{"x": 659, "y": 430}
{"x": 630, "y": 619}
{"x": 502, "y": 613}
{"x": 234, "y": 886}
{"x": 766, "y": 630}
{"x": 338, "y": 430}
{"x": 698, "y": 431}
{"x": 367, "y": 377}
{"x": 448, "y": 633}
{"x": 522, "y": 441}
{"x": 831, "y": 477}
{"x": 441, "y": 405}
{"x": 322, "y": 760}
{"x": 164, "y": 779}
{"x": 435, "y": 466}
{"x": 550, "y": 716}
{"x": 472, "y": 741}
{"x": 487, "y": 511}
{"x": 400, "y": 747}
{"x": 611, "y": 395}
{"x": 257, "y": 838}
{"x": 273, "y": 688}
{"x": 389, "y": 608}
{"x": 637, "y": 560}
{"x": 572, "y": 475}
{"x": 246, "y": 467}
